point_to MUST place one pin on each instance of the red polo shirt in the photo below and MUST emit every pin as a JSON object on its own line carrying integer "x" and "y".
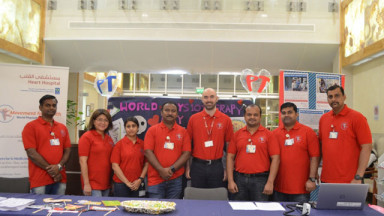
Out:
{"x": 259, "y": 161}
{"x": 295, "y": 159}
{"x": 37, "y": 135}
{"x": 155, "y": 139}
{"x": 221, "y": 132}
{"x": 98, "y": 151}
{"x": 130, "y": 158}
{"x": 341, "y": 155}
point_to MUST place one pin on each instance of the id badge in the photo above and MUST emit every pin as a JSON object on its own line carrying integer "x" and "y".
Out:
{"x": 251, "y": 148}
{"x": 208, "y": 143}
{"x": 333, "y": 135}
{"x": 142, "y": 193}
{"x": 54, "y": 142}
{"x": 289, "y": 142}
{"x": 168, "y": 145}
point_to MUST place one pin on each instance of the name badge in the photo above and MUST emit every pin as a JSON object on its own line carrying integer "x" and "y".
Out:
{"x": 251, "y": 149}
{"x": 289, "y": 142}
{"x": 169, "y": 145}
{"x": 208, "y": 143}
{"x": 54, "y": 142}
{"x": 333, "y": 135}
{"x": 142, "y": 193}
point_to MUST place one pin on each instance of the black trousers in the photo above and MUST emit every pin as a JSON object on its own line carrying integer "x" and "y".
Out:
{"x": 207, "y": 175}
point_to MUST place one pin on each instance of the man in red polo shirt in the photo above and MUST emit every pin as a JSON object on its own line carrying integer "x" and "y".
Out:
{"x": 211, "y": 131}
{"x": 48, "y": 146}
{"x": 299, "y": 157}
{"x": 257, "y": 159}
{"x": 346, "y": 141}
{"x": 167, "y": 148}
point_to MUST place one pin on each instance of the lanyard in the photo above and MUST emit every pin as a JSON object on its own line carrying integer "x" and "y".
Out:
{"x": 209, "y": 132}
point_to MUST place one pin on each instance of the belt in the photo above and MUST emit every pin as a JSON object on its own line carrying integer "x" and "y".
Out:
{"x": 253, "y": 174}
{"x": 206, "y": 162}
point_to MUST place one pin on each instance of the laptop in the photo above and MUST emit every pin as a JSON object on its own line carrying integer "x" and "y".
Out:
{"x": 341, "y": 196}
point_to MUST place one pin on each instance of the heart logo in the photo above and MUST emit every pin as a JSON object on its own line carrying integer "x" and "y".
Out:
{"x": 107, "y": 85}
{"x": 240, "y": 102}
{"x": 255, "y": 83}
{"x": 154, "y": 120}
{"x": 191, "y": 101}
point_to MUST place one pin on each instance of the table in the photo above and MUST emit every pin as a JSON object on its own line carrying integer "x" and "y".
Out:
{"x": 183, "y": 207}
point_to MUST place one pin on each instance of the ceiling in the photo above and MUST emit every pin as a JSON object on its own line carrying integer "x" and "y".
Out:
{"x": 192, "y": 56}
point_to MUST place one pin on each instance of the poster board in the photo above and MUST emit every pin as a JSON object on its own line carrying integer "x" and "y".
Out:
{"x": 21, "y": 87}
{"x": 147, "y": 112}
{"x": 308, "y": 91}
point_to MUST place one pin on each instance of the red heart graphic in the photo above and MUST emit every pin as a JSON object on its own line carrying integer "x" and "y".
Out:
{"x": 191, "y": 101}
{"x": 154, "y": 120}
{"x": 253, "y": 78}
{"x": 240, "y": 102}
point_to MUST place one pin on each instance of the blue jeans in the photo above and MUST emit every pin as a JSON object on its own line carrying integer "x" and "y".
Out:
{"x": 57, "y": 188}
{"x": 122, "y": 190}
{"x": 166, "y": 190}
{"x": 100, "y": 193}
{"x": 207, "y": 176}
{"x": 250, "y": 188}
{"x": 302, "y": 198}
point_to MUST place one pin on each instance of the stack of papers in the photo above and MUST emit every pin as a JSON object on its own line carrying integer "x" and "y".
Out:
{"x": 15, "y": 204}
{"x": 262, "y": 206}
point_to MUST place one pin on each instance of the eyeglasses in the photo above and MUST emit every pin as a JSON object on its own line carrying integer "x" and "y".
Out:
{"x": 101, "y": 120}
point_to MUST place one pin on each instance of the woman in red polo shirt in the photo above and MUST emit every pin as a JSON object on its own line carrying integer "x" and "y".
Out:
{"x": 128, "y": 162}
{"x": 95, "y": 148}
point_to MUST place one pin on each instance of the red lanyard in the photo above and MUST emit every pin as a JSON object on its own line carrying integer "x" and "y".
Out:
{"x": 209, "y": 132}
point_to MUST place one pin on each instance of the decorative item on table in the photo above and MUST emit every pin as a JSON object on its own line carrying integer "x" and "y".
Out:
{"x": 87, "y": 202}
{"x": 51, "y": 200}
{"x": 148, "y": 207}
{"x": 111, "y": 202}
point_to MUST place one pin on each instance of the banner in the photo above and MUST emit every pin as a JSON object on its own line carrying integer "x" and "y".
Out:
{"x": 21, "y": 87}
{"x": 308, "y": 91}
{"x": 147, "y": 112}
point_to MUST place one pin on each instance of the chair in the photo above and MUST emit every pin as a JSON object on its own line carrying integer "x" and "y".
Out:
{"x": 14, "y": 185}
{"x": 206, "y": 193}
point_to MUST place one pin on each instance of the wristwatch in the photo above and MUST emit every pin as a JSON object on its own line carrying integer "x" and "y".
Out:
{"x": 141, "y": 178}
{"x": 60, "y": 167}
{"x": 173, "y": 169}
{"x": 358, "y": 177}
{"x": 312, "y": 179}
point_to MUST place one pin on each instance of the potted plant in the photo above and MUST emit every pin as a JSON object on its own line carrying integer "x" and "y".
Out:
{"x": 73, "y": 117}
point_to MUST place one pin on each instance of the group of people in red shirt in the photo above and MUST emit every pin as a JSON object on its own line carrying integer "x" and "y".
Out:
{"x": 256, "y": 162}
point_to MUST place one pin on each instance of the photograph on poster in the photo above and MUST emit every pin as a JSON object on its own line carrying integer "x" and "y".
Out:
{"x": 323, "y": 82}
{"x": 296, "y": 83}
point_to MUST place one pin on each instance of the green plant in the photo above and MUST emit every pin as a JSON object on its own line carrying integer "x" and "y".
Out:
{"x": 73, "y": 117}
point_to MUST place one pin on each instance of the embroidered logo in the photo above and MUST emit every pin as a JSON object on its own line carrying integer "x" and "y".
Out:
{"x": 63, "y": 134}
{"x": 179, "y": 136}
{"x": 219, "y": 126}
{"x": 298, "y": 138}
{"x": 261, "y": 139}
{"x": 344, "y": 125}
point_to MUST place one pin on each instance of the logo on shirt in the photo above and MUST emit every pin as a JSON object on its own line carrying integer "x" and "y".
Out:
{"x": 219, "y": 126}
{"x": 344, "y": 125}
{"x": 179, "y": 136}
{"x": 63, "y": 133}
{"x": 262, "y": 139}
{"x": 298, "y": 139}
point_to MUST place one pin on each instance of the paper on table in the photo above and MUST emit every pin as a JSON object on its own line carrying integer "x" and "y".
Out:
{"x": 15, "y": 204}
{"x": 269, "y": 206}
{"x": 242, "y": 205}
